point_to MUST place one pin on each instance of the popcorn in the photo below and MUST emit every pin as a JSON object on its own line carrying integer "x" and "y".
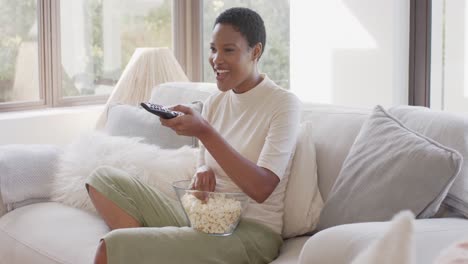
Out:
{"x": 217, "y": 215}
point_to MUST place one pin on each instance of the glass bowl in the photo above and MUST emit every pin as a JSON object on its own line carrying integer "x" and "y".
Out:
{"x": 214, "y": 213}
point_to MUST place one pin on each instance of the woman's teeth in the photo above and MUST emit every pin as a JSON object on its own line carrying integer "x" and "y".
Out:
{"x": 218, "y": 72}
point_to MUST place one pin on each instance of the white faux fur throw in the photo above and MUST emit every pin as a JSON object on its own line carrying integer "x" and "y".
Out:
{"x": 149, "y": 163}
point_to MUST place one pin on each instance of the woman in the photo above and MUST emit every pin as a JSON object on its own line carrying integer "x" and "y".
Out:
{"x": 247, "y": 130}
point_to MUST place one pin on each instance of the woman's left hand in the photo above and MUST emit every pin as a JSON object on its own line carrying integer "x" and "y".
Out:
{"x": 190, "y": 124}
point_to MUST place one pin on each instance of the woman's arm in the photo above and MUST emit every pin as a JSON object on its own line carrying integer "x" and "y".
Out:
{"x": 256, "y": 181}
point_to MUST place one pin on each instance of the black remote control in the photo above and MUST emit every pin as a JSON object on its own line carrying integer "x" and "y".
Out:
{"x": 160, "y": 110}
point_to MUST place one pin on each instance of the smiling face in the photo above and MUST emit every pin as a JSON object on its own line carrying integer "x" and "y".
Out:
{"x": 232, "y": 60}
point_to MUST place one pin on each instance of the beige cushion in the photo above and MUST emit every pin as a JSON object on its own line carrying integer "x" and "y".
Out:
{"x": 303, "y": 202}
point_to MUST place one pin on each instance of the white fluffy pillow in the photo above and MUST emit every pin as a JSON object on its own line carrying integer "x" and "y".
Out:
{"x": 26, "y": 172}
{"x": 149, "y": 163}
{"x": 303, "y": 201}
{"x": 395, "y": 246}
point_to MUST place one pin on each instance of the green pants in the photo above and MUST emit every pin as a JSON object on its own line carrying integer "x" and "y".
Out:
{"x": 165, "y": 237}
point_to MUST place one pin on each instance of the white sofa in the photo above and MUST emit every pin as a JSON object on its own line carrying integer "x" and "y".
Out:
{"x": 49, "y": 232}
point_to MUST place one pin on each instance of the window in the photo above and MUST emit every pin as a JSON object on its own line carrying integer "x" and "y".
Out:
{"x": 275, "y": 13}
{"x": 83, "y": 47}
{"x": 19, "y": 67}
{"x": 98, "y": 40}
{"x": 59, "y": 52}
{"x": 335, "y": 51}
{"x": 449, "y": 56}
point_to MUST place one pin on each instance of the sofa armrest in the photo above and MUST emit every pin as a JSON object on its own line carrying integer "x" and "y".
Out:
{"x": 26, "y": 174}
{"x": 341, "y": 244}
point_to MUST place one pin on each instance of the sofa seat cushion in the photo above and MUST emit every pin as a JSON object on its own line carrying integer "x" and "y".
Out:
{"x": 49, "y": 233}
{"x": 341, "y": 244}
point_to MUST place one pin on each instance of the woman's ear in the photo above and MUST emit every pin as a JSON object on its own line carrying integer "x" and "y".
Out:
{"x": 257, "y": 51}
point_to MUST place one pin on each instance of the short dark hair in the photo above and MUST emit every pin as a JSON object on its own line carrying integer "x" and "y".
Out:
{"x": 248, "y": 22}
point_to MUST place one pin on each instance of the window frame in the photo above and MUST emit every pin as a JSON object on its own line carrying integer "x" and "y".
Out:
{"x": 420, "y": 53}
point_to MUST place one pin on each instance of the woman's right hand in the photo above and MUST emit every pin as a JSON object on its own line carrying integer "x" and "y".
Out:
{"x": 204, "y": 180}
{"x": 191, "y": 123}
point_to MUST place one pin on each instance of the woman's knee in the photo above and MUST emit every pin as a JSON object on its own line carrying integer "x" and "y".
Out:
{"x": 104, "y": 171}
{"x": 103, "y": 174}
{"x": 101, "y": 253}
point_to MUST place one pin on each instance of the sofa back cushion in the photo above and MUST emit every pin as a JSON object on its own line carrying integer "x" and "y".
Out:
{"x": 173, "y": 93}
{"x": 334, "y": 129}
{"x": 131, "y": 121}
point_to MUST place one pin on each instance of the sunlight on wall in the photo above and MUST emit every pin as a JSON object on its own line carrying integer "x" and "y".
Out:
{"x": 349, "y": 53}
{"x": 313, "y": 43}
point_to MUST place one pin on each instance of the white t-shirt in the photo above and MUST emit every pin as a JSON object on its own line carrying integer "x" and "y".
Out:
{"x": 261, "y": 124}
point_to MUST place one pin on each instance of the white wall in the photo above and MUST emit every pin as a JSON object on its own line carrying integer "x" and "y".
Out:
{"x": 50, "y": 126}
